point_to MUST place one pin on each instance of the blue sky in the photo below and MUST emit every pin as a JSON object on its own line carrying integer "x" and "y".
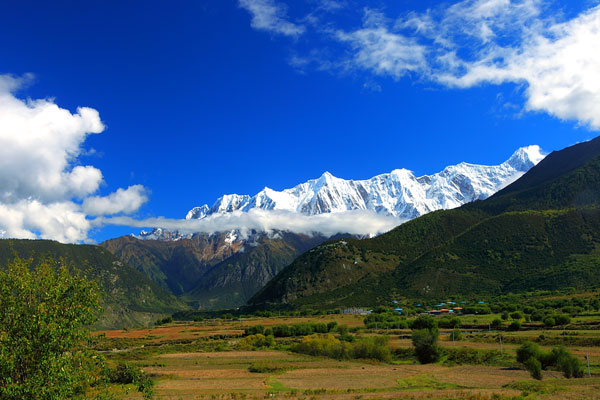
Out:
{"x": 201, "y": 98}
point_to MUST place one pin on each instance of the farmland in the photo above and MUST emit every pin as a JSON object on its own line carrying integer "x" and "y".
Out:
{"x": 210, "y": 359}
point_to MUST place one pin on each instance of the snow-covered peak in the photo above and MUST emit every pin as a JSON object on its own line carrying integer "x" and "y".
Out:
{"x": 525, "y": 158}
{"x": 198, "y": 212}
{"x": 398, "y": 193}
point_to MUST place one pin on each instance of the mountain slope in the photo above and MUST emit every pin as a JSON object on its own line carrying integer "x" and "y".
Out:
{"x": 128, "y": 296}
{"x": 541, "y": 233}
{"x": 217, "y": 270}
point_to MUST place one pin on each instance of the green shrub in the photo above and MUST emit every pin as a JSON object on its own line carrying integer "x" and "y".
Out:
{"x": 257, "y": 341}
{"x": 45, "y": 312}
{"x": 565, "y": 362}
{"x": 527, "y": 351}
{"x": 496, "y": 323}
{"x": 455, "y": 335}
{"x": 517, "y": 315}
{"x": 342, "y": 330}
{"x": 537, "y": 316}
{"x": 126, "y": 374}
{"x": 253, "y": 330}
{"x": 463, "y": 355}
{"x": 562, "y": 319}
{"x": 549, "y": 321}
{"x": 424, "y": 322}
{"x": 331, "y": 326}
{"x": 449, "y": 322}
{"x": 425, "y": 343}
{"x": 534, "y": 367}
{"x": 558, "y": 357}
{"x": 327, "y": 345}
{"x": 514, "y": 326}
{"x": 282, "y": 331}
{"x": 264, "y": 368}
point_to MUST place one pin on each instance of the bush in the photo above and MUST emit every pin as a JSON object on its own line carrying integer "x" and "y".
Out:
{"x": 331, "y": 326}
{"x": 44, "y": 315}
{"x": 281, "y": 331}
{"x": 534, "y": 367}
{"x": 549, "y": 321}
{"x": 253, "y": 330}
{"x": 343, "y": 329}
{"x": 449, "y": 322}
{"x": 496, "y": 324}
{"x": 424, "y": 322}
{"x": 458, "y": 355}
{"x": 559, "y": 357}
{"x": 517, "y": 315}
{"x": 163, "y": 321}
{"x": 387, "y": 320}
{"x": 570, "y": 366}
{"x": 528, "y": 350}
{"x": 537, "y": 316}
{"x": 256, "y": 342}
{"x": 126, "y": 374}
{"x": 327, "y": 345}
{"x": 514, "y": 326}
{"x": 425, "y": 343}
{"x": 263, "y": 367}
{"x": 562, "y": 319}
{"x": 455, "y": 335}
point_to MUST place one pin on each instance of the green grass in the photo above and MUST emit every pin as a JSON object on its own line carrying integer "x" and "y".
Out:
{"x": 424, "y": 382}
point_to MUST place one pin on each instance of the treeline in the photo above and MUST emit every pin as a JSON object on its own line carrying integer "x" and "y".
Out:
{"x": 302, "y": 329}
{"x": 390, "y": 320}
{"x": 327, "y": 345}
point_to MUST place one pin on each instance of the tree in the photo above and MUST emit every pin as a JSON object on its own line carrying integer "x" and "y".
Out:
{"x": 496, "y": 323}
{"x": 424, "y": 338}
{"x": 517, "y": 315}
{"x": 425, "y": 343}
{"x": 43, "y": 331}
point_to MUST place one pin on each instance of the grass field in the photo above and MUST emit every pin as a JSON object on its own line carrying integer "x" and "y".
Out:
{"x": 202, "y": 360}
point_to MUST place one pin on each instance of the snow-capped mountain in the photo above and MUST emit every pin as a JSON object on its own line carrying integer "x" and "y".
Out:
{"x": 398, "y": 193}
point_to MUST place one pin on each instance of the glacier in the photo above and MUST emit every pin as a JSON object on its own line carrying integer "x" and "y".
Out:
{"x": 398, "y": 193}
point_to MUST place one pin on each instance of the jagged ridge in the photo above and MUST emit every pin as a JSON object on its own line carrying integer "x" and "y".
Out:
{"x": 398, "y": 193}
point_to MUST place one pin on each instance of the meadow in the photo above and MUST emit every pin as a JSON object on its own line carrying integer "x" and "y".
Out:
{"x": 213, "y": 359}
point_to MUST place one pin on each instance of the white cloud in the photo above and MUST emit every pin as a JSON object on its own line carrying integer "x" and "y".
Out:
{"x": 31, "y": 219}
{"x": 270, "y": 16}
{"x": 41, "y": 184}
{"x": 382, "y": 51}
{"x": 559, "y": 62}
{"x": 122, "y": 201}
{"x": 475, "y": 42}
{"x": 353, "y": 222}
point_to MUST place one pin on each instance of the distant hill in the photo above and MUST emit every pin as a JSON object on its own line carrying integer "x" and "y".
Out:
{"x": 542, "y": 231}
{"x": 213, "y": 271}
{"x": 129, "y": 298}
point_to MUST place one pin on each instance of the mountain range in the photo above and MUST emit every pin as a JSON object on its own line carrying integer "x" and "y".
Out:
{"x": 225, "y": 269}
{"x": 128, "y": 297}
{"x": 398, "y": 193}
{"x": 540, "y": 232}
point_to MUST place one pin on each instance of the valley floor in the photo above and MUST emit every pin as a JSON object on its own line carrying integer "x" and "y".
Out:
{"x": 203, "y": 360}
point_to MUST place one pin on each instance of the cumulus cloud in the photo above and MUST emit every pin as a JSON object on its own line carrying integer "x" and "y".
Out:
{"x": 42, "y": 186}
{"x": 268, "y": 15}
{"x": 466, "y": 44}
{"x": 122, "y": 201}
{"x": 353, "y": 222}
{"x": 475, "y": 42}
